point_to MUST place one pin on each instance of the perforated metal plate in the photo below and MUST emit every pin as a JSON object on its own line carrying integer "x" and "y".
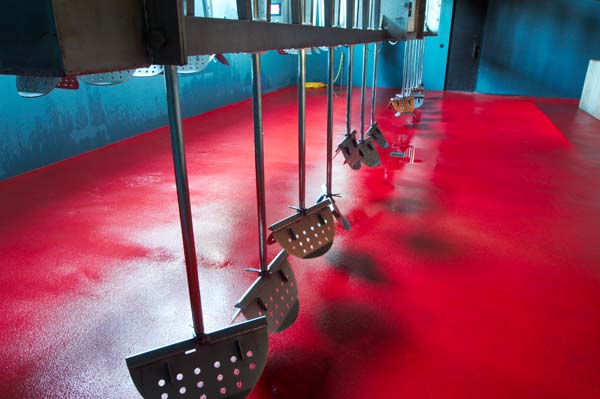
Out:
{"x": 68, "y": 83}
{"x": 403, "y": 105}
{"x": 368, "y": 153}
{"x": 274, "y": 296}
{"x": 377, "y": 136}
{"x": 307, "y": 234}
{"x": 107, "y": 78}
{"x": 195, "y": 64}
{"x": 349, "y": 149}
{"x": 152, "y": 70}
{"x": 226, "y": 365}
{"x": 34, "y": 86}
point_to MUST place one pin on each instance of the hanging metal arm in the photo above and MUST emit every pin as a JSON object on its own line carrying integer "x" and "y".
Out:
{"x": 183, "y": 196}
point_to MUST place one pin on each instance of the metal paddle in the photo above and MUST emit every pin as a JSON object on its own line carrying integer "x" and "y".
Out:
{"x": 374, "y": 131}
{"x": 309, "y": 232}
{"x": 274, "y": 294}
{"x": 35, "y": 86}
{"x": 223, "y": 364}
{"x": 108, "y": 78}
{"x": 366, "y": 147}
{"x": 349, "y": 145}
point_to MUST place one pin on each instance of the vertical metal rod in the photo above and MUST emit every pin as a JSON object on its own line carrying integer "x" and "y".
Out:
{"x": 302, "y": 127}
{"x": 422, "y": 66}
{"x": 183, "y": 196}
{"x": 190, "y": 8}
{"x": 350, "y": 8}
{"x": 374, "y": 86}
{"x": 412, "y": 64}
{"x": 363, "y": 91}
{"x": 330, "y": 82}
{"x": 375, "y": 23}
{"x": 259, "y": 161}
{"x": 349, "y": 89}
{"x": 329, "y": 21}
{"x": 404, "y": 68}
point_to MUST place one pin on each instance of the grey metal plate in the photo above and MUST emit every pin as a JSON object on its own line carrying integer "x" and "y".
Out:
{"x": 152, "y": 70}
{"x": 378, "y": 136}
{"x": 227, "y": 365}
{"x": 274, "y": 296}
{"x": 349, "y": 149}
{"x": 368, "y": 153}
{"x": 34, "y": 86}
{"x": 195, "y": 64}
{"x": 307, "y": 234}
{"x": 107, "y": 78}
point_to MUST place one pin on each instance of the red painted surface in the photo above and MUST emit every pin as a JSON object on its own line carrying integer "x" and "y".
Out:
{"x": 471, "y": 273}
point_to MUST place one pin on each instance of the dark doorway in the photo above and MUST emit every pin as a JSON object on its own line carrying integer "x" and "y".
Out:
{"x": 465, "y": 44}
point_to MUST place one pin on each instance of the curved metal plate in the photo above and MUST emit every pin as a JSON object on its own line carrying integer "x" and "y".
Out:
{"x": 107, "y": 78}
{"x": 403, "y": 105}
{"x": 34, "y": 86}
{"x": 227, "y": 365}
{"x": 274, "y": 296}
{"x": 152, "y": 70}
{"x": 368, "y": 153}
{"x": 306, "y": 234}
{"x": 195, "y": 64}
{"x": 349, "y": 149}
{"x": 378, "y": 136}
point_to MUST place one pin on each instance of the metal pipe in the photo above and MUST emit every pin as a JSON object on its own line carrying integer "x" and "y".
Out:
{"x": 349, "y": 25}
{"x": 366, "y": 23}
{"x": 330, "y": 20}
{"x": 302, "y": 127}
{"x": 422, "y": 66}
{"x": 183, "y": 196}
{"x": 330, "y": 83}
{"x": 259, "y": 161}
{"x": 374, "y": 86}
{"x": 404, "y": 69}
{"x": 349, "y": 90}
{"x": 375, "y": 18}
{"x": 363, "y": 91}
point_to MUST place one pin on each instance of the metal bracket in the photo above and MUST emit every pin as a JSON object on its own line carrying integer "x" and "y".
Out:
{"x": 165, "y": 32}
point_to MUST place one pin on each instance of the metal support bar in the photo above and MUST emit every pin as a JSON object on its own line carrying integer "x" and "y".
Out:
{"x": 302, "y": 128}
{"x": 363, "y": 91}
{"x": 259, "y": 161}
{"x": 183, "y": 196}
{"x": 374, "y": 86}
{"x": 219, "y": 36}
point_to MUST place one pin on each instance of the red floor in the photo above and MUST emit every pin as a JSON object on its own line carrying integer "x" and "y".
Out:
{"x": 472, "y": 273}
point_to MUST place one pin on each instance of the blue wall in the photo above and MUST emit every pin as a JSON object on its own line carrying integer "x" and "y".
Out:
{"x": 37, "y": 132}
{"x": 392, "y": 58}
{"x": 538, "y": 48}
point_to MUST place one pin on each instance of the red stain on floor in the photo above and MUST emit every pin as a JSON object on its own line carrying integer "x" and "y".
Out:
{"x": 471, "y": 272}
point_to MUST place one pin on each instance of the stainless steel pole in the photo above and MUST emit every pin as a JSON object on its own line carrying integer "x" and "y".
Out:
{"x": 259, "y": 161}
{"x": 302, "y": 127}
{"x": 183, "y": 196}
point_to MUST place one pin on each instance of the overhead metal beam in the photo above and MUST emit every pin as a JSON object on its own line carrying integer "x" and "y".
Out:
{"x": 211, "y": 36}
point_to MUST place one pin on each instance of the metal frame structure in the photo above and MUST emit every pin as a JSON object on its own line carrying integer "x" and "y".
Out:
{"x": 76, "y": 37}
